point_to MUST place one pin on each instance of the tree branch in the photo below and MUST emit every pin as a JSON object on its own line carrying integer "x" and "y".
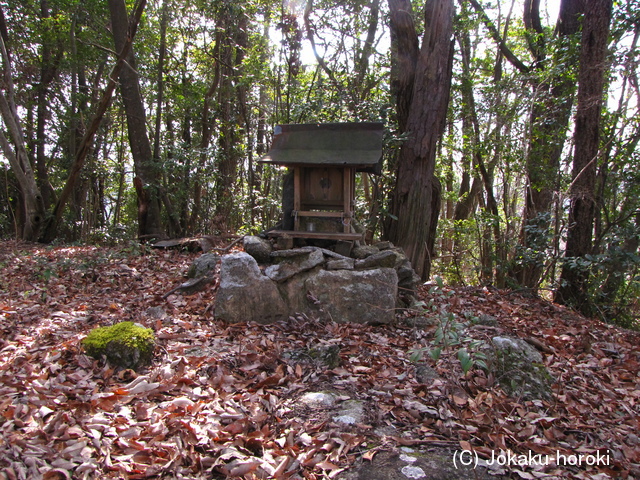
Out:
{"x": 495, "y": 34}
{"x": 310, "y": 37}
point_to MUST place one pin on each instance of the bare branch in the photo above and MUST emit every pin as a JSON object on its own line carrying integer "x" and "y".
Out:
{"x": 495, "y": 34}
{"x": 311, "y": 38}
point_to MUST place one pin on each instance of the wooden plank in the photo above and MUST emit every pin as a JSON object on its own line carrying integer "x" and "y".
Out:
{"x": 325, "y": 213}
{"x": 347, "y": 200}
{"x": 322, "y": 187}
{"x": 315, "y": 235}
{"x": 296, "y": 196}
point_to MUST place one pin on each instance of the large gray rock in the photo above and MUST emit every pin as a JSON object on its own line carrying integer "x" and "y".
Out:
{"x": 245, "y": 294}
{"x": 203, "y": 266}
{"x": 294, "y": 292}
{"x": 367, "y": 296}
{"x": 258, "y": 248}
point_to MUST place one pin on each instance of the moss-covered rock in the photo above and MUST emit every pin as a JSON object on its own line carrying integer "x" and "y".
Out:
{"x": 125, "y": 344}
{"x": 519, "y": 368}
{"x": 328, "y": 356}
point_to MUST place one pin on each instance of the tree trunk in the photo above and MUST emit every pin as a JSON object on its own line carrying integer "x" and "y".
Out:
{"x": 549, "y": 120}
{"x": 573, "y": 289}
{"x": 231, "y": 55}
{"x": 48, "y": 69}
{"x": 363, "y": 56}
{"x": 404, "y": 54}
{"x": 87, "y": 142}
{"x": 207, "y": 125}
{"x": 147, "y": 181}
{"x": 164, "y": 19}
{"x": 31, "y": 210}
{"x": 416, "y": 197}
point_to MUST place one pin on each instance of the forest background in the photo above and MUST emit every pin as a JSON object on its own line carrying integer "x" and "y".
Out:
{"x": 511, "y": 128}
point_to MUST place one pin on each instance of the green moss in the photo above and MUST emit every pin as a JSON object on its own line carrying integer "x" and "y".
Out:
{"x": 124, "y": 344}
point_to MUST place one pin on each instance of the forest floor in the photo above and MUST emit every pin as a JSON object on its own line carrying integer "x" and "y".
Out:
{"x": 223, "y": 399}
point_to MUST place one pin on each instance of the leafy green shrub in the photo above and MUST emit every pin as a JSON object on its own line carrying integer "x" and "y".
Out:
{"x": 450, "y": 332}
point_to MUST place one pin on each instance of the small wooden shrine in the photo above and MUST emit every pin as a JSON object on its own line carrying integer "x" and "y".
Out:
{"x": 324, "y": 159}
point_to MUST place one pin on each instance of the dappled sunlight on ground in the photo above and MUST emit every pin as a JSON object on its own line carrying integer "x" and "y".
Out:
{"x": 222, "y": 399}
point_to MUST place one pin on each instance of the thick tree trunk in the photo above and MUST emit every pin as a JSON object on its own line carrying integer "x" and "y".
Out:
{"x": 230, "y": 95}
{"x": 416, "y": 197}
{"x": 147, "y": 171}
{"x": 31, "y": 207}
{"x": 573, "y": 290}
{"x": 404, "y": 52}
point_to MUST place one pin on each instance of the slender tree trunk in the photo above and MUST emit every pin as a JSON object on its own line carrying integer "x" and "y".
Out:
{"x": 573, "y": 289}
{"x": 160, "y": 82}
{"x": 31, "y": 210}
{"x": 121, "y": 171}
{"x": 422, "y": 111}
{"x": 77, "y": 111}
{"x": 147, "y": 181}
{"x": 48, "y": 68}
{"x": 362, "y": 60}
{"x": 206, "y": 123}
{"x": 549, "y": 120}
{"x": 87, "y": 142}
{"x": 175, "y": 226}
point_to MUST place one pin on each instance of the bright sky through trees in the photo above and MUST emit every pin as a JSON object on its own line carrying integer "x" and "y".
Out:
{"x": 549, "y": 13}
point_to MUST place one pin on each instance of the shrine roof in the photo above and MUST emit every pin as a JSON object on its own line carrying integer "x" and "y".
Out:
{"x": 356, "y": 145}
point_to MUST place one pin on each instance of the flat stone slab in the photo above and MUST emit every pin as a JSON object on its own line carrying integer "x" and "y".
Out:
{"x": 341, "y": 264}
{"x": 385, "y": 259}
{"x": 318, "y": 400}
{"x": 409, "y": 463}
{"x": 294, "y": 265}
{"x": 294, "y": 252}
{"x": 363, "y": 251}
{"x": 351, "y": 412}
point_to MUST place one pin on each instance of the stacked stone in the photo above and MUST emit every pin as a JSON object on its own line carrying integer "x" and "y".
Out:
{"x": 366, "y": 287}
